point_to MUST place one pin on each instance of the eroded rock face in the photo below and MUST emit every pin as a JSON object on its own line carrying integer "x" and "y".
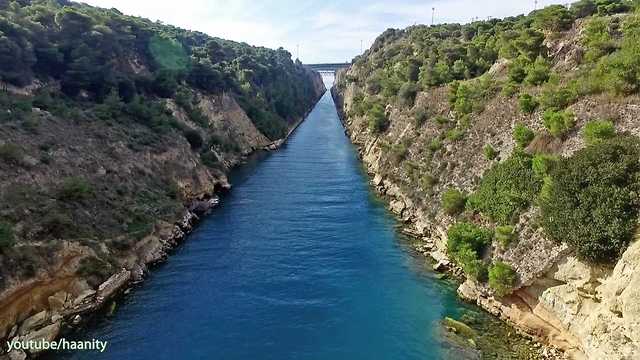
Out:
{"x": 47, "y": 333}
{"x": 33, "y": 322}
{"x": 586, "y": 310}
{"x": 600, "y": 307}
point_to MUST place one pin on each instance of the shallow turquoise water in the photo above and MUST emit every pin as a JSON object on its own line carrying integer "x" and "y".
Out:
{"x": 300, "y": 262}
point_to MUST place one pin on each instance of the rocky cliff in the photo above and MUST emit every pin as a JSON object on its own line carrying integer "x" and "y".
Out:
{"x": 98, "y": 184}
{"x": 421, "y": 143}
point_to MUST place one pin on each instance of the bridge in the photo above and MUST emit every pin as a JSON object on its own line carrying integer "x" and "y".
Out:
{"x": 328, "y": 68}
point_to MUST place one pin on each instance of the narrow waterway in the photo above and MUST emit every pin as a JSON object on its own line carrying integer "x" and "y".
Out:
{"x": 300, "y": 262}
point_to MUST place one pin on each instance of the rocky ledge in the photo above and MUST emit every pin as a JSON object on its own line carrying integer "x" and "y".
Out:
{"x": 66, "y": 311}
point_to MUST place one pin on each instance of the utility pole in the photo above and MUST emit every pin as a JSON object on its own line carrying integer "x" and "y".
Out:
{"x": 298, "y": 51}
{"x": 433, "y": 16}
{"x": 360, "y": 46}
{"x": 535, "y": 4}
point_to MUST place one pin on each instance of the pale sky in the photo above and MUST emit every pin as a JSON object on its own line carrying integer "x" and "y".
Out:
{"x": 326, "y": 31}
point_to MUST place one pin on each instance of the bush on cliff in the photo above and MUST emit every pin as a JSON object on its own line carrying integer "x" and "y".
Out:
{"x": 506, "y": 189}
{"x": 597, "y": 38}
{"x": 583, "y": 8}
{"x": 377, "y": 119}
{"x": 10, "y": 154}
{"x": 74, "y": 189}
{"x": 453, "y": 201}
{"x": 598, "y": 130}
{"x": 490, "y": 153}
{"x": 538, "y": 72}
{"x": 517, "y": 70}
{"x": 591, "y": 200}
{"x": 465, "y": 244}
{"x": 542, "y": 164}
{"x": 558, "y": 122}
{"x": 194, "y": 138}
{"x": 502, "y": 278}
{"x": 466, "y": 234}
{"x": 469, "y": 96}
{"x": 528, "y": 104}
{"x": 522, "y": 135}
{"x": 553, "y": 18}
{"x": 505, "y": 235}
{"x": 407, "y": 93}
{"x": 558, "y": 97}
{"x": 420, "y": 116}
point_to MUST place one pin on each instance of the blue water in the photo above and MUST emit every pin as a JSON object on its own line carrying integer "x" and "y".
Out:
{"x": 300, "y": 262}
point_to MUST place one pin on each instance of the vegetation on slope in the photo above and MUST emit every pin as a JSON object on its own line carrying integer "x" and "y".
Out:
{"x": 95, "y": 53}
{"x": 94, "y": 149}
{"x": 586, "y": 198}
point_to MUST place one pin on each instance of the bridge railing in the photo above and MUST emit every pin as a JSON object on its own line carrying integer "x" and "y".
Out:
{"x": 328, "y": 67}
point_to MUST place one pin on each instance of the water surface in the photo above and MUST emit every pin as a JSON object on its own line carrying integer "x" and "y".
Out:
{"x": 300, "y": 262}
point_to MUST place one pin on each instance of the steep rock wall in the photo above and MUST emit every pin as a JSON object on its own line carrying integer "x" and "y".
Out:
{"x": 582, "y": 309}
{"x": 57, "y": 296}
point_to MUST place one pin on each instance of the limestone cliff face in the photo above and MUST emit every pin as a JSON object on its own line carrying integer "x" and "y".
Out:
{"x": 586, "y": 310}
{"x": 82, "y": 271}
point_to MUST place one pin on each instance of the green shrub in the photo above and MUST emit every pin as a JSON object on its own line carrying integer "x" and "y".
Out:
{"x": 542, "y": 164}
{"x": 505, "y": 235}
{"x": 468, "y": 234}
{"x": 453, "y": 201}
{"x": 407, "y": 93}
{"x": 489, "y": 152}
{"x": 464, "y": 101}
{"x": 470, "y": 262}
{"x": 469, "y": 96}
{"x": 11, "y": 154}
{"x": 441, "y": 120}
{"x": 619, "y": 72}
{"x": 598, "y": 130}
{"x": 558, "y": 122}
{"x": 558, "y": 97}
{"x": 553, "y": 18}
{"x": 435, "y": 145}
{"x": 583, "y": 8}
{"x": 610, "y": 7}
{"x": 506, "y": 189}
{"x": 464, "y": 122}
{"x": 528, "y": 103}
{"x": 517, "y": 71}
{"x": 502, "y": 278}
{"x": 194, "y": 138}
{"x": 377, "y": 119}
{"x": 538, "y": 72}
{"x": 455, "y": 134}
{"x": 591, "y": 199}
{"x": 529, "y": 44}
{"x": 420, "y": 117}
{"x": 465, "y": 243}
{"x": 597, "y": 38}
{"x": 74, "y": 189}
{"x": 510, "y": 89}
{"x": 7, "y": 237}
{"x": 428, "y": 181}
{"x": 522, "y": 135}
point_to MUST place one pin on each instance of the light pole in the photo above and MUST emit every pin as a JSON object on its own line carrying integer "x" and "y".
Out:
{"x": 535, "y": 4}
{"x": 433, "y": 16}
